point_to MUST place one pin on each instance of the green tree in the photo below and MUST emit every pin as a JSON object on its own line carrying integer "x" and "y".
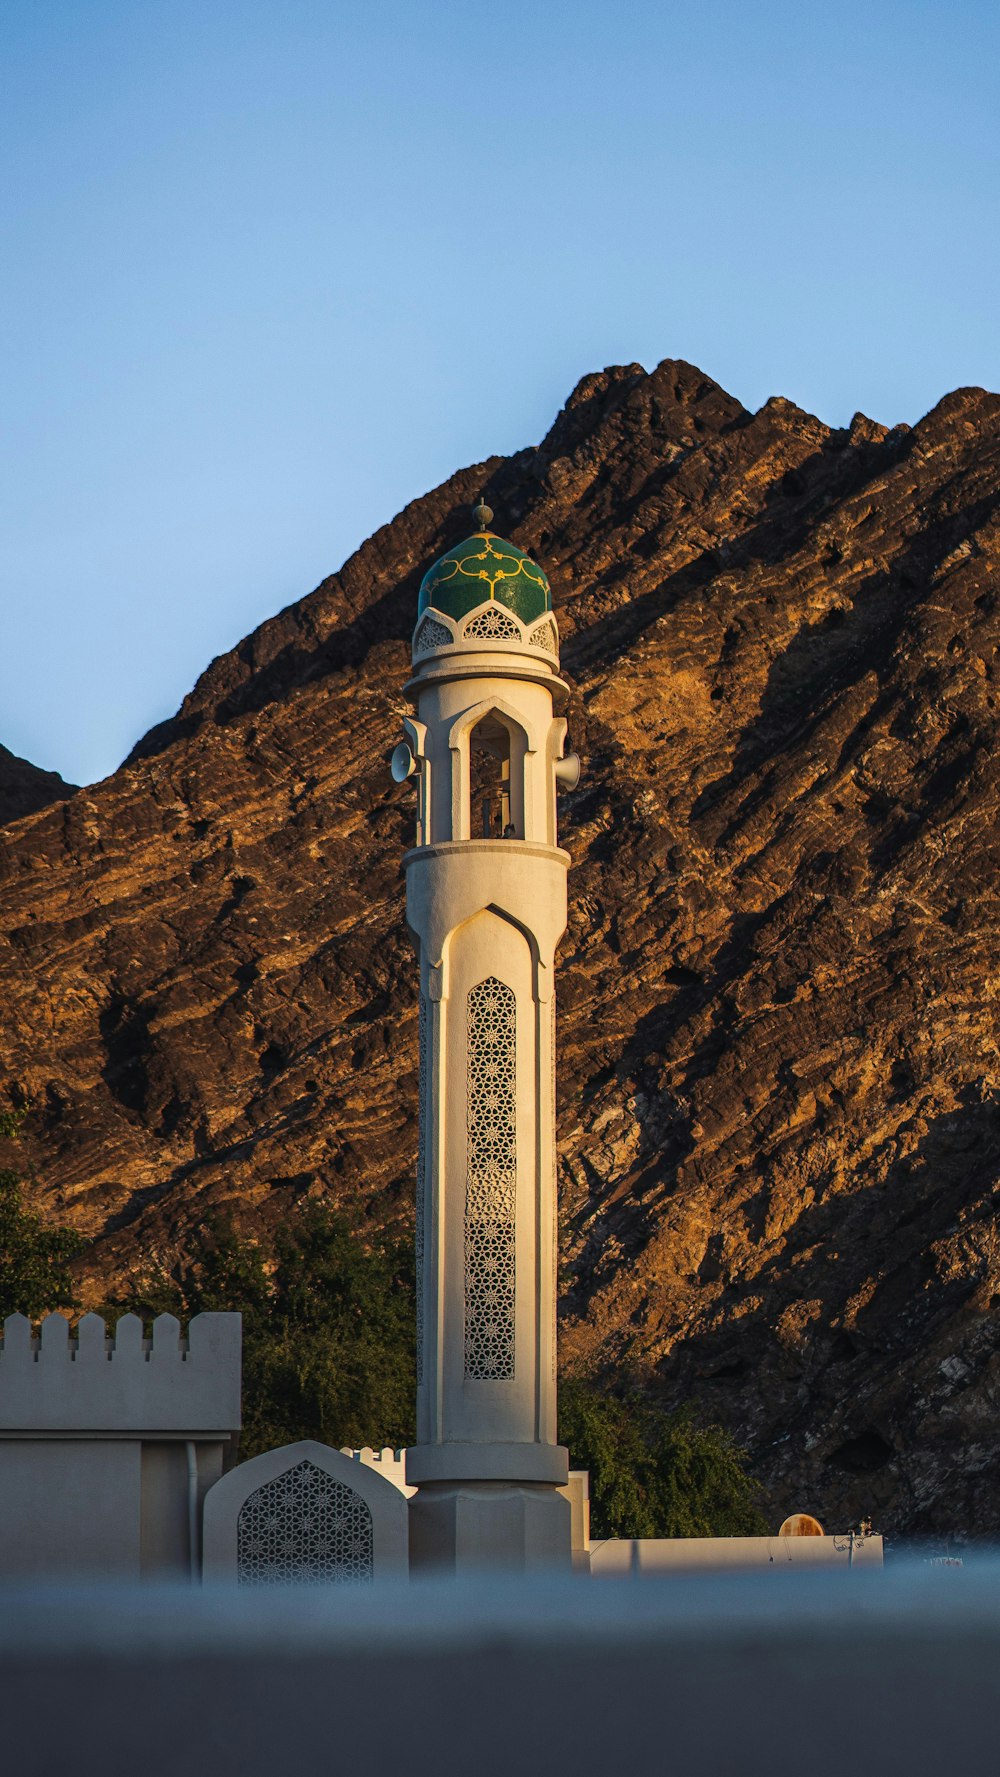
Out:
{"x": 328, "y": 1328}
{"x": 34, "y": 1259}
{"x": 328, "y": 1353}
{"x": 654, "y": 1473}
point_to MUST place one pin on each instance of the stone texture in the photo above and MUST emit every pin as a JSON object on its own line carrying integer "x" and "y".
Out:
{"x": 779, "y": 1087}
{"x": 25, "y": 787}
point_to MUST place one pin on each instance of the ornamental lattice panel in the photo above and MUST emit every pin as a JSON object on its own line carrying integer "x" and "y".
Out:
{"x": 491, "y": 1183}
{"x": 418, "y": 1233}
{"x": 304, "y": 1527}
{"x": 431, "y": 634}
{"x": 544, "y": 636}
{"x": 492, "y": 625}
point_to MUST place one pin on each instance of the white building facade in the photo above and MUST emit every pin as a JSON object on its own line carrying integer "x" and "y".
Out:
{"x": 110, "y": 1442}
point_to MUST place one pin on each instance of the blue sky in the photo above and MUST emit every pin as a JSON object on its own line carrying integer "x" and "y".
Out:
{"x": 271, "y": 271}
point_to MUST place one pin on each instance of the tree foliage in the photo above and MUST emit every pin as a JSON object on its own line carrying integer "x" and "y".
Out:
{"x": 328, "y": 1353}
{"x": 654, "y": 1473}
{"x": 328, "y": 1329}
{"x": 34, "y": 1259}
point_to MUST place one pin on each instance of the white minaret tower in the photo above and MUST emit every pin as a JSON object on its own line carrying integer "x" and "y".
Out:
{"x": 486, "y": 900}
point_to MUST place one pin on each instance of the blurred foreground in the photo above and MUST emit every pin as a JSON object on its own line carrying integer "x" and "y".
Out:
{"x": 772, "y": 1673}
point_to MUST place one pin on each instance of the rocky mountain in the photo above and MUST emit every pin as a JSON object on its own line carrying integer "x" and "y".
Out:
{"x": 780, "y": 1084}
{"x": 25, "y": 787}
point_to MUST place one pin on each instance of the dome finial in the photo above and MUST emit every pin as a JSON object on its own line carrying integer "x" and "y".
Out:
{"x": 482, "y": 514}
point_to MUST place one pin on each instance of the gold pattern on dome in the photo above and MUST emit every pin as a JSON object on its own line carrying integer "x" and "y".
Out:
{"x": 494, "y": 563}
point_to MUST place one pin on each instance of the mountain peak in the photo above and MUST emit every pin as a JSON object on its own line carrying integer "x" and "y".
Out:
{"x": 25, "y": 788}
{"x": 779, "y": 1105}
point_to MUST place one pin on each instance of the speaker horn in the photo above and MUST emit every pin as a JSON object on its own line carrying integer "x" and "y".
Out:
{"x": 402, "y": 764}
{"x": 568, "y": 771}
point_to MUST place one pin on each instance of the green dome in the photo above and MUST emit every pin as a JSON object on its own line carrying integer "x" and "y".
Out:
{"x": 483, "y": 567}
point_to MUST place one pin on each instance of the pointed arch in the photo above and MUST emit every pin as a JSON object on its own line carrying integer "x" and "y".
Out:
{"x": 304, "y": 1513}
{"x": 503, "y": 733}
{"x": 501, "y": 707}
{"x": 459, "y": 932}
{"x": 492, "y": 623}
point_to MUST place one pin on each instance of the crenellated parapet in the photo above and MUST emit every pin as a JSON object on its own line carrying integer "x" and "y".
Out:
{"x": 115, "y": 1380}
{"x": 387, "y": 1461}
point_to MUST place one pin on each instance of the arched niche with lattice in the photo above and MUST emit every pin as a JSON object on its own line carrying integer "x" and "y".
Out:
{"x": 421, "y": 1202}
{"x": 544, "y": 636}
{"x": 491, "y": 1183}
{"x": 492, "y": 624}
{"x": 431, "y": 632}
{"x": 304, "y": 1514}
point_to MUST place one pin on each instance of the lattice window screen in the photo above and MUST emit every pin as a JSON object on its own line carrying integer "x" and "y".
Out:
{"x": 555, "y": 1161}
{"x": 491, "y": 1181}
{"x": 544, "y": 636}
{"x": 304, "y": 1526}
{"x": 418, "y": 1235}
{"x": 431, "y": 634}
{"x": 492, "y": 625}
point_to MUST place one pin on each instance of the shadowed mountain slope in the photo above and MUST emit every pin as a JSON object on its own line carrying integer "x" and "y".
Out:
{"x": 779, "y": 1083}
{"x": 25, "y": 787}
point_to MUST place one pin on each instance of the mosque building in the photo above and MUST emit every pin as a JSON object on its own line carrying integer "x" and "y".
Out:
{"x": 118, "y": 1450}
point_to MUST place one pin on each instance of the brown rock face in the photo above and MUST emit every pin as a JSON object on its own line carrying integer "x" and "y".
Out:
{"x": 780, "y": 1082}
{"x": 24, "y": 787}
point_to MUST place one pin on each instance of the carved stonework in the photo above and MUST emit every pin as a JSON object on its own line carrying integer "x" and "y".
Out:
{"x": 304, "y": 1526}
{"x": 418, "y": 1236}
{"x": 491, "y": 1180}
{"x": 544, "y": 636}
{"x": 431, "y": 634}
{"x": 494, "y": 624}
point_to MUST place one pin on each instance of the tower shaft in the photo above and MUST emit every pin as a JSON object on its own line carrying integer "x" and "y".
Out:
{"x": 486, "y": 901}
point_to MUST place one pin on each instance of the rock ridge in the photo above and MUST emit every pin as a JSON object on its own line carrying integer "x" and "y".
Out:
{"x": 779, "y": 1077}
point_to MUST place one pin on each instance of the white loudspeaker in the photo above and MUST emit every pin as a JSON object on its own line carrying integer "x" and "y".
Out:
{"x": 402, "y": 764}
{"x": 568, "y": 771}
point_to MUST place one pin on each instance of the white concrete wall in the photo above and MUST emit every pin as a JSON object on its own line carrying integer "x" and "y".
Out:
{"x": 577, "y": 1493}
{"x": 109, "y": 1442}
{"x": 650, "y": 1555}
{"x": 118, "y": 1381}
{"x": 109, "y": 1508}
{"x": 389, "y": 1463}
{"x": 70, "y": 1508}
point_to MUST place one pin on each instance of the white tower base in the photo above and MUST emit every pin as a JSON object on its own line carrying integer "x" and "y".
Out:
{"x": 470, "y": 1527}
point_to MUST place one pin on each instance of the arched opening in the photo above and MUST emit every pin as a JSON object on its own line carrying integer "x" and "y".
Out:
{"x": 494, "y": 813}
{"x": 490, "y": 750}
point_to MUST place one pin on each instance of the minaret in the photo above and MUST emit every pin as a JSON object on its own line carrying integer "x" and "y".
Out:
{"x": 486, "y": 900}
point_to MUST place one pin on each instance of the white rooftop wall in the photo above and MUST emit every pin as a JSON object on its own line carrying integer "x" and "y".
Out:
{"x": 389, "y": 1463}
{"x": 647, "y": 1555}
{"x": 119, "y": 1381}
